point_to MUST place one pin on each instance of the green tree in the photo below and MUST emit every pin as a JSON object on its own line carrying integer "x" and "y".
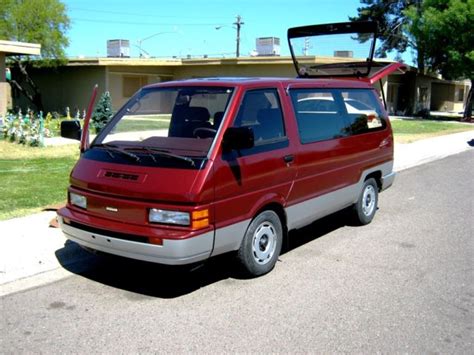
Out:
{"x": 36, "y": 21}
{"x": 102, "y": 112}
{"x": 440, "y": 33}
{"x": 447, "y": 29}
{"x": 392, "y": 24}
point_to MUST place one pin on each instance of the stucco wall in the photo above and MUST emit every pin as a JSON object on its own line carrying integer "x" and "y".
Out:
{"x": 71, "y": 85}
{"x": 65, "y": 87}
{"x": 4, "y": 87}
{"x": 442, "y": 96}
{"x": 5, "y": 95}
{"x": 117, "y": 76}
{"x": 256, "y": 70}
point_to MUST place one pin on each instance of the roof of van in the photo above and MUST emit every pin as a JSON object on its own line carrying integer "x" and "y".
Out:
{"x": 262, "y": 81}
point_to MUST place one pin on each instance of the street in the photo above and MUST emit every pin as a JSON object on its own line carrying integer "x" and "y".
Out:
{"x": 404, "y": 283}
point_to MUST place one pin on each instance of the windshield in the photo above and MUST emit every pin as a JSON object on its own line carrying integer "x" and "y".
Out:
{"x": 172, "y": 126}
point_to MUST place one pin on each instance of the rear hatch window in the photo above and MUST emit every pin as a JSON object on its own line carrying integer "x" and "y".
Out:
{"x": 333, "y": 50}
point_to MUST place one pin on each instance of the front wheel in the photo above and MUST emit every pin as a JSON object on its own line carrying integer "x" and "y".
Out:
{"x": 366, "y": 206}
{"x": 261, "y": 245}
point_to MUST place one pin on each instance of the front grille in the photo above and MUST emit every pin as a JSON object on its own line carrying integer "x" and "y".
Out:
{"x": 124, "y": 176}
{"x": 117, "y": 235}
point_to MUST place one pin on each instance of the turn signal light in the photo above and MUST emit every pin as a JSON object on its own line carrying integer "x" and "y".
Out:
{"x": 200, "y": 219}
{"x": 156, "y": 241}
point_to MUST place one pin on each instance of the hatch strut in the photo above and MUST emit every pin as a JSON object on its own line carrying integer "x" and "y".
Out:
{"x": 85, "y": 129}
{"x": 383, "y": 94}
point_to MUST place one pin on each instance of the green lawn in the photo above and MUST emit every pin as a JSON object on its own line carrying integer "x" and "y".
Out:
{"x": 32, "y": 178}
{"x": 127, "y": 124}
{"x": 407, "y": 131}
{"x": 137, "y": 125}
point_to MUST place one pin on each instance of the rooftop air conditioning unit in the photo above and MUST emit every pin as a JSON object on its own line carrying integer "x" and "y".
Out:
{"x": 118, "y": 48}
{"x": 268, "y": 46}
{"x": 344, "y": 54}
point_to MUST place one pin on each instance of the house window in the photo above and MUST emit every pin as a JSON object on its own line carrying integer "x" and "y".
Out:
{"x": 391, "y": 93}
{"x": 459, "y": 95}
{"x": 132, "y": 83}
{"x": 423, "y": 94}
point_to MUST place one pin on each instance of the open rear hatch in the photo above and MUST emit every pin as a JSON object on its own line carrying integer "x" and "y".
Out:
{"x": 338, "y": 50}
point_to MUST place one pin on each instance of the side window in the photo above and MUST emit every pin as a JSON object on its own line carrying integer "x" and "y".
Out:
{"x": 261, "y": 111}
{"x": 363, "y": 111}
{"x": 320, "y": 114}
{"x": 329, "y": 114}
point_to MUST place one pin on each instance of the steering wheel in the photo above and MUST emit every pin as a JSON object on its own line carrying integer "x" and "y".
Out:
{"x": 204, "y": 132}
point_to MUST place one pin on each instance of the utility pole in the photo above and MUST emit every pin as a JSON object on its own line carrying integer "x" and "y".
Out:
{"x": 238, "y": 24}
{"x": 306, "y": 46}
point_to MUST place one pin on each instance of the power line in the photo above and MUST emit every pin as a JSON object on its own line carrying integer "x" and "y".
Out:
{"x": 142, "y": 23}
{"x": 139, "y": 14}
{"x": 237, "y": 25}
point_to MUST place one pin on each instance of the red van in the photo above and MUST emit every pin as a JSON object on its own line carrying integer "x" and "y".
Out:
{"x": 191, "y": 169}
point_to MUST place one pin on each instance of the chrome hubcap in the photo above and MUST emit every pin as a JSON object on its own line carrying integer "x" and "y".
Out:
{"x": 368, "y": 200}
{"x": 264, "y": 243}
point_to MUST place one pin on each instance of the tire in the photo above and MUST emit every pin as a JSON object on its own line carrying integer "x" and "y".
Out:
{"x": 366, "y": 206}
{"x": 261, "y": 245}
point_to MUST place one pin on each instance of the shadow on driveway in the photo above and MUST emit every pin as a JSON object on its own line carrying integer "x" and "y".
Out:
{"x": 163, "y": 281}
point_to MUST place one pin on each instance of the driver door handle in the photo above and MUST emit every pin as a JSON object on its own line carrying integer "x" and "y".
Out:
{"x": 289, "y": 158}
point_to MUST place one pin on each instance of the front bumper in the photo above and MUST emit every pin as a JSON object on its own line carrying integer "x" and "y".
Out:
{"x": 172, "y": 252}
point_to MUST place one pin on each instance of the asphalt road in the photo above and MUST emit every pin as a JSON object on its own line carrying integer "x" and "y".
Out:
{"x": 405, "y": 283}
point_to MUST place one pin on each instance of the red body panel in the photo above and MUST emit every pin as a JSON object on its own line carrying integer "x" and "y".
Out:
{"x": 180, "y": 186}
{"x": 245, "y": 184}
{"x": 233, "y": 190}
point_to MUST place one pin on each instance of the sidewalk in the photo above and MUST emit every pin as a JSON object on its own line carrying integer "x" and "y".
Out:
{"x": 426, "y": 150}
{"x": 28, "y": 246}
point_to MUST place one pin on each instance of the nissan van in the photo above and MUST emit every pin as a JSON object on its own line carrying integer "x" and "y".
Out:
{"x": 190, "y": 169}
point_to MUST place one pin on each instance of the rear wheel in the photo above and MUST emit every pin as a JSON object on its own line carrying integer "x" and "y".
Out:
{"x": 366, "y": 206}
{"x": 261, "y": 245}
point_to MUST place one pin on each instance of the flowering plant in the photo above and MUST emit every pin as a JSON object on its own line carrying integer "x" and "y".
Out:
{"x": 29, "y": 129}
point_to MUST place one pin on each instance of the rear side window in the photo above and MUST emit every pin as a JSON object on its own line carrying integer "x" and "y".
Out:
{"x": 324, "y": 114}
{"x": 363, "y": 111}
{"x": 320, "y": 115}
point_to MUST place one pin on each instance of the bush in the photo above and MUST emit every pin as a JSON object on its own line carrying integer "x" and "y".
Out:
{"x": 102, "y": 112}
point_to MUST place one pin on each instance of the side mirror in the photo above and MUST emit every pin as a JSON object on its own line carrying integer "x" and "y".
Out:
{"x": 71, "y": 129}
{"x": 238, "y": 138}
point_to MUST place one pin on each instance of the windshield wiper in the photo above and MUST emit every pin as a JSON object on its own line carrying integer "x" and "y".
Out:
{"x": 110, "y": 149}
{"x": 164, "y": 153}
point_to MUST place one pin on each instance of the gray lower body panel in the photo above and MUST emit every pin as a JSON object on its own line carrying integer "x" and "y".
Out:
{"x": 387, "y": 180}
{"x": 229, "y": 238}
{"x": 172, "y": 252}
{"x": 303, "y": 213}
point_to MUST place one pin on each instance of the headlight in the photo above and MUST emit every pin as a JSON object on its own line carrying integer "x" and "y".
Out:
{"x": 168, "y": 217}
{"x": 78, "y": 200}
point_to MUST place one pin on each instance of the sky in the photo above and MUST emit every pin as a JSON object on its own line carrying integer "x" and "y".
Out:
{"x": 167, "y": 28}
